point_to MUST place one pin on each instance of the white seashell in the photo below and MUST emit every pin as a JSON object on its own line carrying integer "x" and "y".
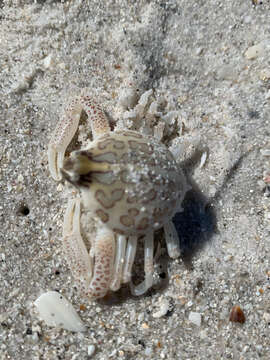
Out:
{"x": 56, "y": 310}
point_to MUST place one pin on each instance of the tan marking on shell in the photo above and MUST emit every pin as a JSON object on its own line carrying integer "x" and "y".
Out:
{"x": 127, "y": 220}
{"x": 141, "y": 146}
{"x": 103, "y": 144}
{"x": 117, "y": 194}
{"x": 125, "y": 157}
{"x": 150, "y": 196}
{"x": 133, "y": 212}
{"x": 143, "y": 224}
{"x": 107, "y": 178}
{"x": 104, "y": 217}
{"x": 125, "y": 177}
{"x": 117, "y": 144}
{"x": 130, "y": 134}
{"x": 103, "y": 199}
{"x": 108, "y": 202}
{"x": 132, "y": 199}
{"x": 109, "y": 157}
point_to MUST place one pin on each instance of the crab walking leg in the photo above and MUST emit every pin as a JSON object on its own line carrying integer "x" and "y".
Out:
{"x": 121, "y": 242}
{"x": 129, "y": 258}
{"x": 67, "y": 126}
{"x": 148, "y": 266}
{"x": 104, "y": 260}
{"x": 172, "y": 240}
{"x": 74, "y": 248}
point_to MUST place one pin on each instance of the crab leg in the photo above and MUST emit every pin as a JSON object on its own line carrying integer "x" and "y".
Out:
{"x": 129, "y": 258}
{"x": 104, "y": 261}
{"x": 92, "y": 285}
{"x": 121, "y": 242}
{"x": 73, "y": 247}
{"x": 67, "y": 126}
{"x": 148, "y": 266}
{"x": 172, "y": 240}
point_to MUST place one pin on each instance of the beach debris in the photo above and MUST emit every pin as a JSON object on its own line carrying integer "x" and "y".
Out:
{"x": 57, "y": 311}
{"x": 237, "y": 315}
{"x": 254, "y": 51}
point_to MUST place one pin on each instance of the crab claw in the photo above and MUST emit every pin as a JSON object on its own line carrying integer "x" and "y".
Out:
{"x": 56, "y": 160}
{"x": 67, "y": 127}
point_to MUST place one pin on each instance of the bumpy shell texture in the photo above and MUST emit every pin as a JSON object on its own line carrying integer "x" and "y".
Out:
{"x": 129, "y": 181}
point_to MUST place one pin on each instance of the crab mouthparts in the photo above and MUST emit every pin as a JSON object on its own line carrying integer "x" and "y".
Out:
{"x": 78, "y": 168}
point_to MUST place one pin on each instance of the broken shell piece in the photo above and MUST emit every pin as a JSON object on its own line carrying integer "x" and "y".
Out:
{"x": 254, "y": 51}
{"x": 163, "y": 309}
{"x": 203, "y": 159}
{"x": 56, "y": 310}
{"x": 237, "y": 315}
{"x": 265, "y": 152}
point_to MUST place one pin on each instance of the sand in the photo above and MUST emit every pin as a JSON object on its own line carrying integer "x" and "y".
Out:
{"x": 199, "y": 60}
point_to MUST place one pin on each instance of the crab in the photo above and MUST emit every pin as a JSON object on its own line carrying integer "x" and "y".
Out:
{"x": 130, "y": 184}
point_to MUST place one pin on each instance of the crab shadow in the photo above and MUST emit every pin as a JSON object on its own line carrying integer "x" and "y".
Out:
{"x": 195, "y": 225}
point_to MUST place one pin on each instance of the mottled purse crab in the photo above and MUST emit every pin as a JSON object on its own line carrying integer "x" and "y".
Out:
{"x": 131, "y": 185}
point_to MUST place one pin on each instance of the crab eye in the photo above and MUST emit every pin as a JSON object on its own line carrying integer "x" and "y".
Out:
{"x": 80, "y": 167}
{"x": 73, "y": 178}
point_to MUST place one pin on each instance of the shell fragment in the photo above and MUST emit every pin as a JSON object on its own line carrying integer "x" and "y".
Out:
{"x": 56, "y": 310}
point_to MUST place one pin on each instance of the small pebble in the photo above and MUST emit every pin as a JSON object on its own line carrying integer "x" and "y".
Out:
{"x": 148, "y": 351}
{"x": 237, "y": 315}
{"x": 265, "y": 152}
{"x": 20, "y": 178}
{"x": 47, "y": 61}
{"x": 163, "y": 309}
{"x": 254, "y": 51}
{"x": 145, "y": 326}
{"x": 265, "y": 75}
{"x": 195, "y": 318}
{"x": 91, "y": 350}
{"x": 266, "y": 317}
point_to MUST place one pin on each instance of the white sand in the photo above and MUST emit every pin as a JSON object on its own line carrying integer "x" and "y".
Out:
{"x": 193, "y": 55}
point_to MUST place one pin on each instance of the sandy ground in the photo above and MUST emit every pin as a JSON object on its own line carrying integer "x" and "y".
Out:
{"x": 199, "y": 60}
